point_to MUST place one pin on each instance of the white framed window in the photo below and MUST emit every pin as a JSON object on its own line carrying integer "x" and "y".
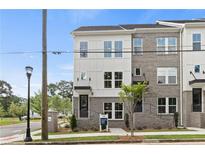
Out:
{"x": 114, "y": 110}
{"x": 137, "y": 72}
{"x": 83, "y": 49}
{"x": 107, "y": 79}
{"x": 137, "y": 46}
{"x": 196, "y": 38}
{"x": 197, "y": 69}
{"x": 118, "y": 79}
{"x": 166, "y": 75}
{"x": 167, "y": 105}
{"x": 108, "y": 49}
{"x": 83, "y": 76}
{"x": 118, "y": 48}
{"x": 166, "y": 45}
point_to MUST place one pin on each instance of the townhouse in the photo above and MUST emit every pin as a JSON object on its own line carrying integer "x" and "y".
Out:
{"x": 107, "y": 56}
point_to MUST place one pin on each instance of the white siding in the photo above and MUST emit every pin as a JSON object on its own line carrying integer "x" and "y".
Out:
{"x": 190, "y": 59}
{"x": 95, "y": 64}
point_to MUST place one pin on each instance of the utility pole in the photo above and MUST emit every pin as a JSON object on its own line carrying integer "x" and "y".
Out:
{"x": 44, "y": 110}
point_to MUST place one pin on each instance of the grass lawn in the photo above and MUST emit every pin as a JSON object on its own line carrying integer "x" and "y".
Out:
{"x": 69, "y": 132}
{"x": 188, "y": 136}
{"x": 163, "y": 130}
{"x": 9, "y": 121}
{"x": 91, "y": 138}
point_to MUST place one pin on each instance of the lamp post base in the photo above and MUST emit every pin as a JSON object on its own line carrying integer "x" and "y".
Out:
{"x": 28, "y": 136}
{"x": 28, "y": 139}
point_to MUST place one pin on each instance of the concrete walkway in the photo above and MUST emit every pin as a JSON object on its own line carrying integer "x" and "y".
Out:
{"x": 113, "y": 132}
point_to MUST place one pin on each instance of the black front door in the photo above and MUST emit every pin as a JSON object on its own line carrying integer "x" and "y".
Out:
{"x": 197, "y": 100}
{"x": 83, "y": 106}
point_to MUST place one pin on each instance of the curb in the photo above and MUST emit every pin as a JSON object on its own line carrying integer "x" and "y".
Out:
{"x": 111, "y": 142}
{"x": 81, "y": 142}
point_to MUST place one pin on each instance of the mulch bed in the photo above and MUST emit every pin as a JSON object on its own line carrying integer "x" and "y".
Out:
{"x": 131, "y": 138}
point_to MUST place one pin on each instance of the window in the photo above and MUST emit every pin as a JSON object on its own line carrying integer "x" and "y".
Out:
{"x": 108, "y": 80}
{"x": 166, "y": 45}
{"x": 138, "y": 46}
{"x": 108, "y": 109}
{"x": 118, "y": 79}
{"x": 83, "y": 107}
{"x": 197, "y": 68}
{"x": 172, "y": 44}
{"x": 197, "y": 100}
{"x": 196, "y": 42}
{"x": 167, "y": 105}
{"x": 83, "y": 49}
{"x": 107, "y": 48}
{"x": 114, "y": 110}
{"x": 167, "y": 75}
{"x": 161, "y": 45}
{"x": 137, "y": 72}
{"x": 172, "y": 105}
{"x": 118, "y": 48}
{"x": 83, "y": 76}
{"x": 138, "y": 106}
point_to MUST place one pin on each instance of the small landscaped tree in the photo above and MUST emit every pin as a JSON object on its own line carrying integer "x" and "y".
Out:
{"x": 130, "y": 94}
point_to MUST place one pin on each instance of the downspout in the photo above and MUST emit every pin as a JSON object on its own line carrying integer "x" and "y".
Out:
{"x": 181, "y": 77}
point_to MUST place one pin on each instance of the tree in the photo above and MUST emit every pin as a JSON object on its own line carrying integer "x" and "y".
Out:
{"x": 2, "y": 113}
{"x": 61, "y": 105}
{"x": 130, "y": 94}
{"x": 62, "y": 88}
{"x": 17, "y": 110}
{"x": 5, "y": 94}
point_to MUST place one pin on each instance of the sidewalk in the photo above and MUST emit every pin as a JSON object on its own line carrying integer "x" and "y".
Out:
{"x": 113, "y": 132}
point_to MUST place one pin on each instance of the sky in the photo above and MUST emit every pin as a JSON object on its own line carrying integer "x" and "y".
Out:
{"x": 21, "y": 31}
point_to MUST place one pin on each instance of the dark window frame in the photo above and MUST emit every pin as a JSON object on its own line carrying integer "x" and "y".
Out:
{"x": 80, "y": 107}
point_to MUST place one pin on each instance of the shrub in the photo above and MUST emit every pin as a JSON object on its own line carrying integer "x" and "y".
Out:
{"x": 127, "y": 120}
{"x": 67, "y": 126}
{"x": 176, "y": 119}
{"x": 73, "y": 122}
{"x": 139, "y": 128}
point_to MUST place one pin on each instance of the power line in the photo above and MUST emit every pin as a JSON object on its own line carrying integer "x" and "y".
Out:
{"x": 102, "y": 51}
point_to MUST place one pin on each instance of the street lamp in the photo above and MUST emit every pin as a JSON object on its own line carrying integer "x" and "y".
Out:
{"x": 28, "y": 138}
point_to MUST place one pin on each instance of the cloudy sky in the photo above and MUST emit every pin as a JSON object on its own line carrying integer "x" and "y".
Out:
{"x": 21, "y": 31}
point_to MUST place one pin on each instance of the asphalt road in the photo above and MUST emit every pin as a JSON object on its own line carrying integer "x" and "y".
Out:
{"x": 10, "y": 130}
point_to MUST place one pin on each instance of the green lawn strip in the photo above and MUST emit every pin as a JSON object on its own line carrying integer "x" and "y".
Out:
{"x": 90, "y": 138}
{"x": 9, "y": 121}
{"x": 185, "y": 136}
{"x": 59, "y": 133}
{"x": 163, "y": 130}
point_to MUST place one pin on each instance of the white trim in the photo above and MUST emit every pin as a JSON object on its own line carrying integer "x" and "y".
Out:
{"x": 141, "y": 46}
{"x": 113, "y": 110}
{"x": 135, "y": 71}
{"x": 167, "y": 106}
{"x": 196, "y": 32}
{"x": 166, "y": 76}
{"x": 166, "y": 46}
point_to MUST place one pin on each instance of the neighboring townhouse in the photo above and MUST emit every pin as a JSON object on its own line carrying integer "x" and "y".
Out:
{"x": 192, "y": 66}
{"x": 107, "y": 56}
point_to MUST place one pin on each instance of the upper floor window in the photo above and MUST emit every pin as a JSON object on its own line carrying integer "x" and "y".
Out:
{"x": 118, "y": 48}
{"x": 166, "y": 45}
{"x": 107, "y": 48}
{"x": 197, "y": 68}
{"x": 196, "y": 42}
{"x": 83, "y": 76}
{"x": 137, "y": 72}
{"x": 118, "y": 79}
{"x": 167, "y": 75}
{"x": 83, "y": 49}
{"x": 138, "y": 46}
{"x": 108, "y": 80}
